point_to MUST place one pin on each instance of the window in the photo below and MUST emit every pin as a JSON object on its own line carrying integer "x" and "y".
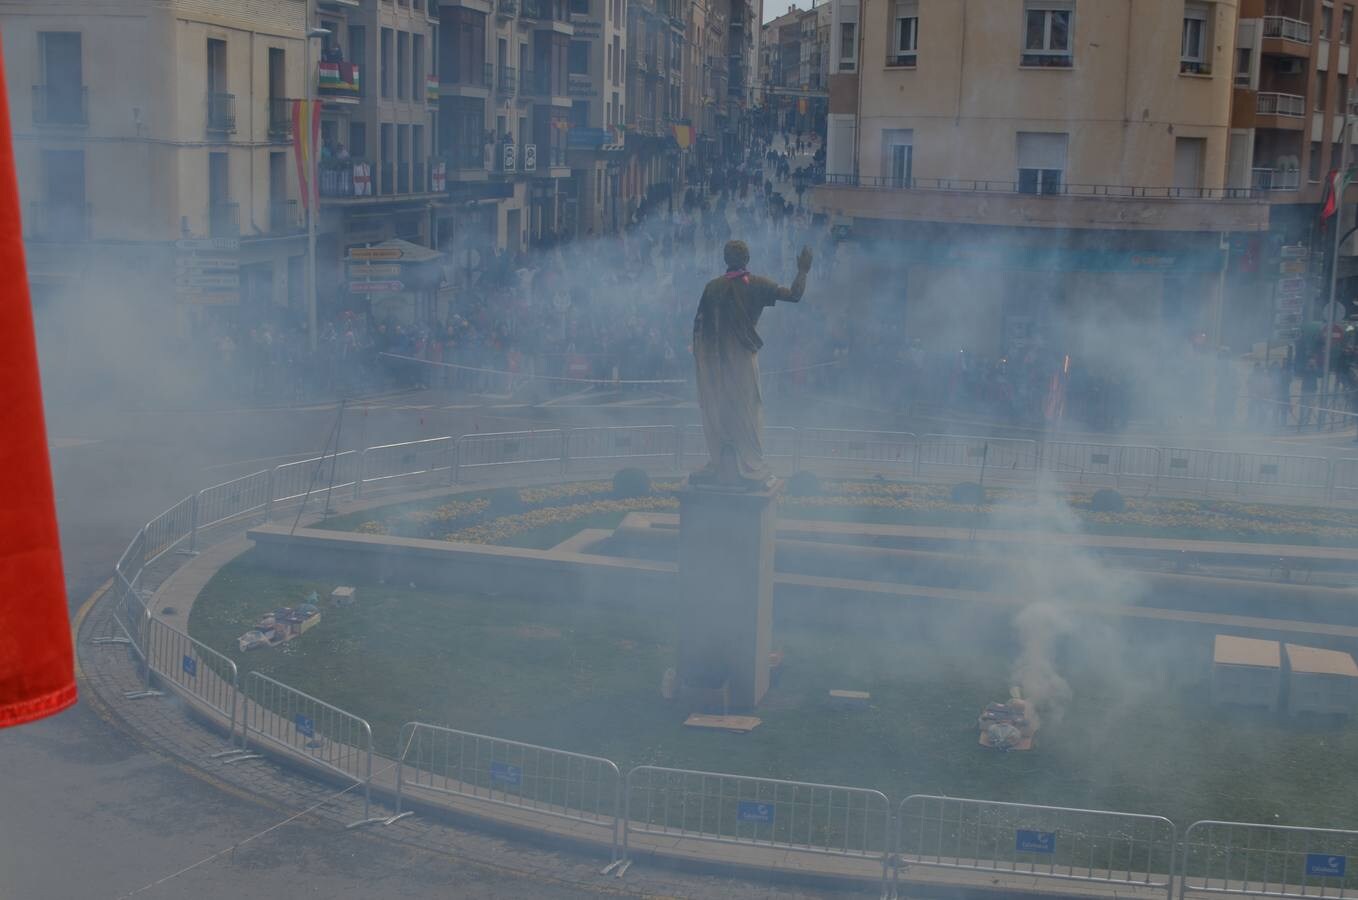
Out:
{"x": 579, "y": 7}
{"x": 1047, "y": 27}
{"x": 1341, "y": 95}
{"x": 848, "y": 46}
{"x": 358, "y": 140}
{"x": 1188, "y": 157}
{"x": 1041, "y": 161}
{"x": 417, "y": 70}
{"x": 1326, "y": 20}
{"x": 1313, "y": 164}
{"x": 898, "y": 148}
{"x": 60, "y": 98}
{"x": 1320, "y": 91}
{"x": 358, "y": 53}
{"x": 402, "y": 65}
{"x": 1193, "y": 48}
{"x": 384, "y": 51}
{"x": 1346, "y": 25}
{"x": 1243, "y": 61}
{"x": 578, "y": 61}
{"x": 904, "y": 34}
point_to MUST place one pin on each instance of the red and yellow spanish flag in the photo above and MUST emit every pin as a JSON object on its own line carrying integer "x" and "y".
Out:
{"x": 306, "y": 138}
{"x": 37, "y": 669}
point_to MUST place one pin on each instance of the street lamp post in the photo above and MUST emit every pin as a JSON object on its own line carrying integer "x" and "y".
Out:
{"x": 314, "y": 201}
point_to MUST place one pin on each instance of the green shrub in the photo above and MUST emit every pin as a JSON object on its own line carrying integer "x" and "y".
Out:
{"x": 631, "y": 482}
{"x": 803, "y": 484}
{"x": 968, "y": 493}
{"x": 1107, "y": 500}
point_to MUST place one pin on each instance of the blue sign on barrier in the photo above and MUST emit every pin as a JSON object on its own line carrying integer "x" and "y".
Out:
{"x": 1034, "y": 841}
{"x": 506, "y": 774}
{"x": 305, "y": 725}
{"x": 750, "y": 811}
{"x": 190, "y": 665}
{"x": 1325, "y": 865}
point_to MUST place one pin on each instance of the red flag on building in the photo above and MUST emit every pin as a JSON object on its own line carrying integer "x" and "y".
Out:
{"x": 306, "y": 137}
{"x": 1335, "y": 185}
{"x": 37, "y": 673}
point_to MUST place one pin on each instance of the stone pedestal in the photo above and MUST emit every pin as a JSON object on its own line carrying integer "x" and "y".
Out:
{"x": 726, "y": 590}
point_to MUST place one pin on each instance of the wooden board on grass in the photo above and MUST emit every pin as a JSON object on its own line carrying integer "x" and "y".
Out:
{"x": 738, "y": 724}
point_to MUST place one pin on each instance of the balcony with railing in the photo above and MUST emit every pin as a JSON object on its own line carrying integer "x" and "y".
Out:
{"x": 285, "y": 217}
{"x": 60, "y": 105}
{"x": 1275, "y": 179}
{"x": 280, "y": 119}
{"x": 465, "y": 158}
{"x": 57, "y": 221}
{"x": 339, "y": 82}
{"x": 340, "y": 180}
{"x": 1275, "y": 110}
{"x": 509, "y": 81}
{"x": 223, "y": 219}
{"x": 1286, "y": 37}
{"x": 221, "y": 113}
{"x": 1060, "y": 204}
{"x": 507, "y": 9}
{"x": 579, "y": 85}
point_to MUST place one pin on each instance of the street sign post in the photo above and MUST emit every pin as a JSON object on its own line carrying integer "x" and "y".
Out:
{"x": 374, "y": 253}
{"x": 376, "y": 287}
{"x": 369, "y": 271}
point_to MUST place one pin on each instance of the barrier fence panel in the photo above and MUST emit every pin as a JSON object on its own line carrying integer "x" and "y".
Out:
{"x": 780, "y": 449}
{"x": 1246, "y": 860}
{"x": 1002, "y": 458}
{"x": 169, "y": 529}
{"x": 325, "y": 734}
{"x": 709, "y": 806}
{"x": 1264, "y": 470}
{"x": 294, "y": 480}
{"x": 1081, "y": 463}
{"x": 600, "y": 445}
{"x": 479, "y": 451}
{"x": 857, "y": 452}
{"x": 1043, "y": 841}
{"x": 424, "y": 457}
{"x": 1344, "y": 478}
{"x": 233, "y": 498}
{"x": 554, "y": 782}
{"x": 194, "y": 669}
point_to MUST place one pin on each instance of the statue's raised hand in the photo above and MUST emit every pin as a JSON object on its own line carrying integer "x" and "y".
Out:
{"x": 804, "y": 260}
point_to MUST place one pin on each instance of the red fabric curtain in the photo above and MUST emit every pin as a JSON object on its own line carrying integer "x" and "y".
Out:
{"x": 37, "y": 676}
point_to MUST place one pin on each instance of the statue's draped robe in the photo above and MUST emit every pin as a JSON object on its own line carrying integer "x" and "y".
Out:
{"x": 725, "y": 348}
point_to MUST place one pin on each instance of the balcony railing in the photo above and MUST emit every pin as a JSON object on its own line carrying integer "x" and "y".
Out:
{"x": 1288, "y": 29}
{"x": 579, "y": 85}
{"x": 280, "y": 118}
{"x": 339, "y": 80}
{"x": 285, "y": 217}
{"x": 507, "y": 8}
{"x": 388, "y": 178}
{"x": 1274, "y": 104}
{"x": 58, "y": 221}
{"x": 221, "y": 113}
{"x": 53, "y": 105}
{"x": 509, "y": 80}
{"x": 1110, "y": 191}
{"x": 347, "y": 179}
{"x": 223, "y": 219}
{"x": 1275, "y": 179}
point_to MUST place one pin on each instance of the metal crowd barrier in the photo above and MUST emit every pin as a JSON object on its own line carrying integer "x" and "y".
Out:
{"x": 1239, "y": 470}
{"x": 1248, "y": 860}
{"x": 221, "y": 502}
{"x": 478, "y": 451}
{"x": 193, "y": 668}
{"x": 861, "y": 452}
{"x": 768, "y": 812}
{"x": 1042, "y": 841}
{"x": 622, "y": 444}
{"x": 301, "y": 724}
{"x": 169, "y": 529}
{"x": 390, "y": 461}
{"x": 314, "y": 476}
{"x": 557, "y": 783}
{"x": 1092, "y": 462}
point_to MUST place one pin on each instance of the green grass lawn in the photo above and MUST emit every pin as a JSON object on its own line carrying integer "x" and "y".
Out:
{"x": 1138, "y": 735}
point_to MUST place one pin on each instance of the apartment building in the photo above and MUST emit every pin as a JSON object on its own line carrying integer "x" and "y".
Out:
{"x": 380, "y": 175}
{"x": 596, "y": 139}
{"x": 505, "y": 104}
{"x": 1048, "y": 160}
{"x": 163, "y": 177}
{"x": 654, "y": 162}
{"x": 794, "y": 61}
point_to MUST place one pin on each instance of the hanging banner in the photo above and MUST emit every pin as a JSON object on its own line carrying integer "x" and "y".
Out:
{"x": 304, "y": 142}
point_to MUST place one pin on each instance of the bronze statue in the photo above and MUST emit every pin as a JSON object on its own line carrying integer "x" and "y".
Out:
{"x": 725, "y": 349}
